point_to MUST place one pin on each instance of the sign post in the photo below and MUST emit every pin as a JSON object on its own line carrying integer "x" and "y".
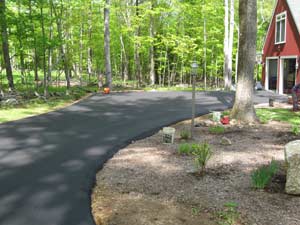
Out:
{"x": 194, "y": 73}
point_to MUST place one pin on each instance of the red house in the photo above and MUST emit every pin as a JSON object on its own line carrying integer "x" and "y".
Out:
{"x": 281, "y": 51}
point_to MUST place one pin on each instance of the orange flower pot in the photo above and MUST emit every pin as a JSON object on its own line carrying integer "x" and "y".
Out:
{"x": 106, "y": 90}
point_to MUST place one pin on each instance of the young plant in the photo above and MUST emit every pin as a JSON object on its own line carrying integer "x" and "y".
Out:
{"x": 230, "y": 215}
{"x": 184, "y": 149}
{"x": 217, "y": 130}
{"x": 296, "y": 129}
{"x": 202, "y": 153}
{"x": 263, "y": 175}
{"x": 185, "y": 134}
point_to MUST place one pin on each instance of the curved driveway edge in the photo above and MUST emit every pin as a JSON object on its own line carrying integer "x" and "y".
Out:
{"x": 48, "y": 163}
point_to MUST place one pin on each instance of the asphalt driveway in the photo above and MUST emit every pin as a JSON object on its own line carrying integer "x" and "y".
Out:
{"x": 48, "y": 163}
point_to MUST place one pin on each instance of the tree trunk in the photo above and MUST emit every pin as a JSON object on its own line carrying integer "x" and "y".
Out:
{"x": 81, "y": 53}
{"x": 62, "y": 45}
{"x": 50, "y": 50}
{"x": 226, "y": 45}
{"x": 243, "y": 109}
{"x": 124, "y": 58}
{"x": 20, "y": 32}
{"x": 89, "y": 50}
{"x": 138, "y": 68}
{"x": 5, "y": 46}
{"x": 205, "y": 54}
{"x": 237, "y": 56}
{"x": 152, "y": 62}
{"x": 230, "y": 43}
{"x": 107, "y": 44}
{"x": 44, "y": 51}
{"x": 35, "y": 57}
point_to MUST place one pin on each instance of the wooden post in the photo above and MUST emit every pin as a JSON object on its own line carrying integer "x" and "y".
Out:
{"x": 193, "y": 105}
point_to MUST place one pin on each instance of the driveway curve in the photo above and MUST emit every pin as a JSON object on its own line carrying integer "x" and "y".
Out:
{"x": 48, "y": 163}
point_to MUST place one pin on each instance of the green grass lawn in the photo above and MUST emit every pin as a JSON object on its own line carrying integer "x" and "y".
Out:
{"x": 36, "y": 106}
{"x": 282, "y": 115}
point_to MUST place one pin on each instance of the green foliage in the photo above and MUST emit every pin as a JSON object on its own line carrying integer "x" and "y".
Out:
{"x": 295, "y": 129}
{"x": 184, "y": 149}
{"x": 202, "y": 153}
{"x": 217, "y": 130}
{"x": 185, "y": 134}
{"x": 178, "y": 39}
{"x": 195, "y": 211}
{"x": 262, "y": 176}
{"x": 226, "y": 113}
{"x": 282, "y": 115}
{"x": 230, "y": 215}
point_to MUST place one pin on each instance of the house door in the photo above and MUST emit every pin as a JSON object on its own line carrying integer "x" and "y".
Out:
{"x": 273, "y": 73}
{"x": 289, "y": 75}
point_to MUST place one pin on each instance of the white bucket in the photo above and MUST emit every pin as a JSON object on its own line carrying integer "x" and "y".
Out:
{"x": 216, "y": 116}
{"x": 168, "y": 135}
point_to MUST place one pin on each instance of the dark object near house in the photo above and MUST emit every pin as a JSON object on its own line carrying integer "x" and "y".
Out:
{"x": 295, "y": 96}
{"x": 258, "y": 86}
{"x": 271, "y": 102}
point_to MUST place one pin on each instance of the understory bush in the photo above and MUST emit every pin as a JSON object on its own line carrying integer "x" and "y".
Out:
{"x": 230, "y": 215}
{"x": 295, "y": 129}
{"x": 184, "y": 149}
{"x": 262, "y": 176}
{"x": 185, "y": 134}
{"x": 217, "y": 130}
{"x": 202, "y": 153}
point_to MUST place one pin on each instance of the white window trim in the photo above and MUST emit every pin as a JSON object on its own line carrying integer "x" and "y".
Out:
{"x": 278, "y": 15}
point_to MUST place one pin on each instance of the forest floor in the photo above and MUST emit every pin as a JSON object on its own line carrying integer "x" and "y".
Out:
{"x": 150, "y": 183}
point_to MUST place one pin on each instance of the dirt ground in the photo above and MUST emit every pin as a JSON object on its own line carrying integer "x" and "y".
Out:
{"x": 149, "y": 183}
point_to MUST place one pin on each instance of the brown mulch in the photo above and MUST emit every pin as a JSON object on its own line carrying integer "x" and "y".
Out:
{"x": 150, "y": 183}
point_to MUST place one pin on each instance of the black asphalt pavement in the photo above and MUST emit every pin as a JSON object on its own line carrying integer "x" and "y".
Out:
{"x": 48, "y": 163}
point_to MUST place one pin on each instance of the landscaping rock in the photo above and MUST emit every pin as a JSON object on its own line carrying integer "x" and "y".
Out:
{"x": 205, "y": 123}
{"x": 11, "y": 102}
{"x": 292, "y": 157}
{"x": 226, "y": 141}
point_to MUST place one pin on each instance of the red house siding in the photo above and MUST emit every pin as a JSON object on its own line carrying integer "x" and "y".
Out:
{"x": 290, "y": 48}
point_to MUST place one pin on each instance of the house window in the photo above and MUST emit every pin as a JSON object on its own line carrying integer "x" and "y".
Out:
{"x": 280, "y": 28}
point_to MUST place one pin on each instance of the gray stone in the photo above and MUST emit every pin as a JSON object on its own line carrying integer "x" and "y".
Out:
{"x": 226, "y": 141}
{"x": 292, "y": 157}
{"x": 206, "y": 123}
{"x": 11, "y": 102}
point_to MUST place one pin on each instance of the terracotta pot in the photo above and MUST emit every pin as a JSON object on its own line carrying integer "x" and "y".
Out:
{"x": 106, "y": 90}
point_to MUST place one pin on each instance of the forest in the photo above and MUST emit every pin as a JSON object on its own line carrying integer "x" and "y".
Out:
{"x": 152, "y": 42}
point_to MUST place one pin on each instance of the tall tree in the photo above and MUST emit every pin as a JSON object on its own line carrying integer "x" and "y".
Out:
{"x": 107, "y": 43}
{"x": 151, "y": 32}
{"x": 243, "y": 109}
{"x": 228, "y": 42}
{"x": 5, "y": 46}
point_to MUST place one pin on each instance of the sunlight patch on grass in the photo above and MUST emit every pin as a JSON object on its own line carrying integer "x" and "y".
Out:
{"x": 282, "y": 115}
{"x": 31, "y": 109}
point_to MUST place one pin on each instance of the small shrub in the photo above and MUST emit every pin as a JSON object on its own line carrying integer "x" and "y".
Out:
{"x": 184, "y": 149}
{"x": 202, "y": 153}
{"x": 184, "y": 134}
{"x": 263, "y": 175}
{"x": 230, "y": 215}
{"x": 217, "y": 130}
{"x": 226, "y": 113}
{"x": 296, "y": 130}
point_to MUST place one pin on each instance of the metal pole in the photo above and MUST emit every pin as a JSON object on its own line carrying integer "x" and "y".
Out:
{"x": 193, "y": 106}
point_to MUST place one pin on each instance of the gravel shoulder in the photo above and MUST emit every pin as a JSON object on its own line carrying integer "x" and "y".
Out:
{"x": 150, "y": 183}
